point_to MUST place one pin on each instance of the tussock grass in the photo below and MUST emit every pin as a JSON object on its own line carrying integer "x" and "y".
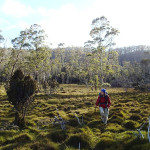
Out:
{"x": 127, "y": 113}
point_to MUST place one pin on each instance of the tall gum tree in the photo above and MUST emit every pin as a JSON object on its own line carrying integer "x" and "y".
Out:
{"x": 102, "y": 34}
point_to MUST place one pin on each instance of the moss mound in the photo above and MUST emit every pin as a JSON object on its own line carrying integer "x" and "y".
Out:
{"x": 105, "y": 143}
{"x": 137, "y": 144}
{"x": 94, "y": 124}
{"x": 22, "y": 138}
{"x": 135, "y": 117}
{"x": 116, "y": 119}
{"x": 73, "y": 122}
{"x": 41, "y": 146}
{"x": 74, "y": 141}
{"x": 58, "y": 136}
{"x": 130, "y": 125}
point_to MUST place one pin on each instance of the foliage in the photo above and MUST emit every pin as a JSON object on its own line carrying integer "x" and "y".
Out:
{"x": 102, "y": 35}
{"x": 20, "y": 94}
{"x": 53, "y": 84}
{"x": 1, "y": 38}
{"x": 93, "y": 65}
{"x": 105, "y": 85}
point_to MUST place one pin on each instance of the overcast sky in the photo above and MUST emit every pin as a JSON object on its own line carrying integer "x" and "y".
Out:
{"x": 69, "y": 21}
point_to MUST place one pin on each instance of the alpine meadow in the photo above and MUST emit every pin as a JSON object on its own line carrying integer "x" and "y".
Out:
{"x": 72, "y": 78}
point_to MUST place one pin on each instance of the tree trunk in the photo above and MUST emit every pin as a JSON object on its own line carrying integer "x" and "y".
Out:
{"x": 19, "y": 121}
{"x": 16, "y": 118}
{"x": 101, "y": 65}
{"x": 67, "y": 80}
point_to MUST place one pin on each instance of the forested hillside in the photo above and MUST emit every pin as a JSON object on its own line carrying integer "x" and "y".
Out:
{"x": 78, "y": 65}
{"x": 133, "y": 53}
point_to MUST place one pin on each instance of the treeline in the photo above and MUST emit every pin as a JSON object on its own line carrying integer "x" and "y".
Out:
{"x": 72, "y": 65}
{"x": 94, "y": 65}
{"x": 133, "y": 53}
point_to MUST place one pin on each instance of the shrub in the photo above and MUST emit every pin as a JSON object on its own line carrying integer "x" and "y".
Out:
{"x": 45, "y": 86}
{"x": 142, "y": 85}
{"x": 53, "y": 84}
{"x": 20, "y": 94}
{"x": 105, "y": 85}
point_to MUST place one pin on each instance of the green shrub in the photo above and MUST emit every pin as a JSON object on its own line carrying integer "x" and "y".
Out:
{"x": 54, "y": 85}
{"x": 20, "y": 94}
{"x": 106, "y": 85}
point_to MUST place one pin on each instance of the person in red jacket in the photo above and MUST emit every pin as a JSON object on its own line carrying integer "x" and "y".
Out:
{"x": 104, "y": 103}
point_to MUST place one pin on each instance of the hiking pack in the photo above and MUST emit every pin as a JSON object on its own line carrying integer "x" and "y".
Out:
{"x": 106, "y": 99}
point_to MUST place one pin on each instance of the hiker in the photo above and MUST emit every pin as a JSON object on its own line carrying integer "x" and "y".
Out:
{"x": 104, "y": 103}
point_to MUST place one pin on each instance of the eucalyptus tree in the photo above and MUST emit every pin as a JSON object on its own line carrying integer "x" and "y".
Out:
{"x": 112, "y": 66}
{"x": 1, "y": 37}
{"x": 39, "y": 62}
{"x": 102, "y": 34}
{"x": 36, "y": 40}
{"x": 32, "y": 40}
{"x": 19, "y": 43}
{"x": 145, "y": 64}
{"x": 36, "y": 37}
{"x": 2, "y": 50}
{"x": 58, "y": 67}
{"x": 62, "y": 51}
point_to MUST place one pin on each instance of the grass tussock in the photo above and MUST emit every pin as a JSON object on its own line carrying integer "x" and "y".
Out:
{"x": 128, "y": 111}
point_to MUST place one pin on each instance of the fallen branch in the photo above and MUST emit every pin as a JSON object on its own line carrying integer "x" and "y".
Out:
{"x": 80, "y": 123}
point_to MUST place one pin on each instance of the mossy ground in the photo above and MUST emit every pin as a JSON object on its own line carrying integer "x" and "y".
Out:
{"x": 128, "y": 111}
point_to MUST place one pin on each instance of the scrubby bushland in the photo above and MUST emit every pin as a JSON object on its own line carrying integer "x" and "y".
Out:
{"x": 105, "y": 85}
{"x": 20, "y": 94}
{"x": 53, "y": 84}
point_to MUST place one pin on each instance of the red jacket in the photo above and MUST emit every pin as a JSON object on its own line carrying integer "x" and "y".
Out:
{"x": 102, "y": 99}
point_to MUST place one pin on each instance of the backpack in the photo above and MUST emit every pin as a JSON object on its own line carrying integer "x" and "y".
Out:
{"x": 106, "y": 99}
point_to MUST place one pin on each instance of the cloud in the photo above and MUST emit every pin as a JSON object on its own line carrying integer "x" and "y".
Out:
{"x": 21, "y": 25}
{"x": 71, "y": 25}
{"x": 16, "y": 9}
{"x": 130, "y": 17}
{"x": 3, "y": 21}
{"x": 68, "y": 25}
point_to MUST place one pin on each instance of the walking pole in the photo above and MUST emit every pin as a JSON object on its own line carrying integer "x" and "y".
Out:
{"x": 149, "y": 130}
{"x": 95, "y": 108}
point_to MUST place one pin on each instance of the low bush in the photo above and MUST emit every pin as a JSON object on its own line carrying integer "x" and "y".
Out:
{"x": 106, "y": 85}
